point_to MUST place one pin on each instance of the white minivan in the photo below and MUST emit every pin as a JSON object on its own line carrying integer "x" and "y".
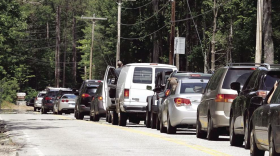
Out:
{"x": 135, "y": 82}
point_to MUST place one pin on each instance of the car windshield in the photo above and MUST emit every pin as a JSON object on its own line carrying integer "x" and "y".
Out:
{"x": 237, "y": 75}
{"x": 142, "y": 75}
{"x": 192, "y": 87}
{"x": 91, "y": 90}
{"x": 52, "y": 93}
{"x": 72, "y": 96}
{"x": 270, "y": 79}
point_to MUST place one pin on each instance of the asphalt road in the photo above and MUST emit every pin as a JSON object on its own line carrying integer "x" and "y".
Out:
{"x": 64, "y": 135}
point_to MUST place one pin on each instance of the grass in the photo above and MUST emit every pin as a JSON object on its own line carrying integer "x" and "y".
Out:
{"x": 8, "y": 105}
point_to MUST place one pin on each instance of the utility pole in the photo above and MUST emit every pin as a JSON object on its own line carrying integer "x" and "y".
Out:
{"x": 85, "y": 72}
{"x": 57, "y": 52}
{"x": 119, "y": 29}
{"x": 93, "y": 18}
{"x": 213, "y": 42}
{"x": 258, "y": 54}
{"x": 172, "y": 34}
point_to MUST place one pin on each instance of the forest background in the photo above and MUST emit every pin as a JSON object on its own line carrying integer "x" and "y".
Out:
{"x": 28, "y": 37}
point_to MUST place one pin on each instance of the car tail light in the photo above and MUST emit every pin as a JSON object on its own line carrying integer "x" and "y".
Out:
{"x": 167, "y": 92}
{"x": 64, "y": 100}
{"x": 182, "y": 102}
{"x": 225, "y": 97}
{"x": 100, "y": 98}
{"x": 126, "y": 93}
{"x": 48, "y": 98}
{"x": 85, "y": 95}
{"x": 262, "y": 93}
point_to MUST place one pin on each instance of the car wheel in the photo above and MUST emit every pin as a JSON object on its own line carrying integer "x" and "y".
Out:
{"x": 272, "y": 151}
{"x": 199, "y": 132}
{"x": 95, "y": 117}
{"x": 114, "y": 118}
{"x": 212, "y": 133}
{"x": 235, "y": 140}
{"x": 254, "y": 151}
{"x": 109, "y": 117}
{"x": 59, "y": 112}
{"x": 122, "y": 118}
{"x": 162, "y": 129}
{"x": 91, "y": 118}
{"x": 247, "y": 134}
{"x": 153, "y": 121}
{"x": 43, "y": 111}
{"x": 35, "y": 109}
{"x": 170, "y": 128}
{"x": 157, "y": 123}
{"x": 148, "y": 118}
{"x": 80, "y": 116}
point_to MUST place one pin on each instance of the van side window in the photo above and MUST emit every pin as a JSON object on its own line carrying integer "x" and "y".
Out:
{"x": 215, "y": 79}
{"x": 252, "y": 81}
{"x": 142, "y": 75}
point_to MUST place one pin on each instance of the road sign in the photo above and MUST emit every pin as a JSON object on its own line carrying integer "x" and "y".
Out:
{"x": 179, "y": 45}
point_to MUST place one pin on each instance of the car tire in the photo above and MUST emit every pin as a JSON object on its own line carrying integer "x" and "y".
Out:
{"x": 43, "y": 111}
{"x": 148, "y": 118}
{"x": 247, "y": 134}
{"x": 114, "y": 118}
{"x": 35, "y": 109}
{"x": 109, "y": 117}
{"x": 91, "y": 118}
{"x": 80, "y": 116}
{"x": 212, "y": 133}
{"x": 59, "y": 112}
{"x": 153, "y": 121}
{"x": 170, "y": 128}
{"x": 95, "y": 117}
{"x": 235, "y": 140}
{"x": 199, "y": 133}
{"x": 272, "y": 151}
{"x": 122, "y": 116}
{"x": 162, "y": 128}
{"x": 157, "y": 123}
{"x": 254, "y": 151}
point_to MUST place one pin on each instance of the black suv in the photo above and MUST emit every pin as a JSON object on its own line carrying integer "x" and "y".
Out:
{"x": 259, "y": 83}
{"x": 49, "y": 98}
{"x": 85, "y": 95}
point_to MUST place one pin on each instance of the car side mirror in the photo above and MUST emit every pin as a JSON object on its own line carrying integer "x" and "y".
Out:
{"x": 257, "y": 101}
{"x": 235, "y": 86}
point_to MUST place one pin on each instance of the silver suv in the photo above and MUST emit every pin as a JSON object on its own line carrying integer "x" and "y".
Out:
{"x": 213, "y": 112}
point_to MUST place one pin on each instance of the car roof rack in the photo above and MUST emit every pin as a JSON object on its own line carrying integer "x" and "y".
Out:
{"x": 266, "y": 65}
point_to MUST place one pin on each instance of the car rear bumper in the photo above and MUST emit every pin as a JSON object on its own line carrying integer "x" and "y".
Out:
{"x": 220, "y": 119}
{"x": 66, "y": 106}
{"x": 84, "y": 110}
{"x": 182, "y": 116}
{"x": 48, "y": 106}
{"x": 134, "y": 107}
{"x": 38, "y": 105}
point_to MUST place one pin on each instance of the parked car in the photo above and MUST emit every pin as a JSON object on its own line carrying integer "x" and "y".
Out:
{"x": 97, "y": 107}
{"x": 65, "y": 104}
{"x": 180, "y": 107}
{"x": 259, "y": 84}
{"x": 213, "y": 112}
{"x": 38, "y": 100}
{"x": 152, "y": 109}
{"x": 31, "y": 102}
{"x": 135, "y": 83}
{"x": 85, "y": 94}
{"x": 162, "y": 96}
{"x": 264, "y": 125}
{"x": 49, "y": 98}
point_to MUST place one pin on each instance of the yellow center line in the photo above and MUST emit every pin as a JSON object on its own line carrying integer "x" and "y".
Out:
{"x": 176, "y": 141}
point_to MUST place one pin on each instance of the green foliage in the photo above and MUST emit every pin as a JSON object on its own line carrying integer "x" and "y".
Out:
{"x": 10, "y": 87}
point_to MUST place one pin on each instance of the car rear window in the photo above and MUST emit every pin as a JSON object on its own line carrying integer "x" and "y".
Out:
{"x": 192, "y": 87}
{"x": 142, "y": 75}
{"x": 69, "y": 96}
{"x": 91, "y": 90}
{"x": 41, "y": 94}
{"x": 237, "y": 75}
{"x": 270, "y": 79}
{"x": 67, "y": 92}
{"x": 52, "y": 93}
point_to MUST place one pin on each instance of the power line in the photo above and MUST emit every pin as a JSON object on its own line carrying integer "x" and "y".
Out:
{"x": 139, "y": 6}
{"x": 145, "y": 35}
{"x": 146, "y": 18}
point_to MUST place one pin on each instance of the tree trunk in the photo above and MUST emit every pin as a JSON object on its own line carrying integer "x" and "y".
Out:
{"x": 213, "y": 42}
{"x": 267, "y": 32}
{"x": 155, "y": 38}
{"x": 74, "y": 57}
